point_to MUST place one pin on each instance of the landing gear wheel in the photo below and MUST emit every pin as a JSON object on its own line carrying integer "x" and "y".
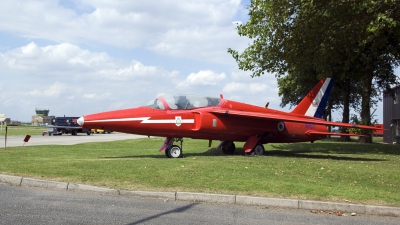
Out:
{"x": 174, "y": 151}
{"x": 250, "y": 154}
{"x": 228, "y": 148}
{"x": 259, "y": 149}
{"x": 166, "y": 151}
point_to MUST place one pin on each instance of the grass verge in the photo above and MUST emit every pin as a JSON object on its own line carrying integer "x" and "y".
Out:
{"x": 326, "y": 170}
{"x": 22, "y": 130}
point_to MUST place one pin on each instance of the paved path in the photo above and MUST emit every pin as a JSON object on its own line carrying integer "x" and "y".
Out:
{"x": 22, "y": 205}
{"x": 67, "y": 139}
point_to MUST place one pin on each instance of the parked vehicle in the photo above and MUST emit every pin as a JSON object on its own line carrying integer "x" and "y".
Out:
{"x": 66, "y": 125}
{"x": 100, "y": 131}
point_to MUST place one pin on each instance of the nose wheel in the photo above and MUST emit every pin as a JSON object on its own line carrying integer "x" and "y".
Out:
{"x": 174, "y": 151}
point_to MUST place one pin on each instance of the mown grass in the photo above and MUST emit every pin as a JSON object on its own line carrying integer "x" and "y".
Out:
{"x": 326, "y": 170}
{"x": 22, "y": 130}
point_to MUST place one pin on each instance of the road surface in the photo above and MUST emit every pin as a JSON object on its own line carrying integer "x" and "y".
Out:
{"x": 65, "y": 139}
{"x": 22, "y": 205}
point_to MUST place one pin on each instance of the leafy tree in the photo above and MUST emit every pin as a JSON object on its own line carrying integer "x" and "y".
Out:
{"x": 355, "y": 42}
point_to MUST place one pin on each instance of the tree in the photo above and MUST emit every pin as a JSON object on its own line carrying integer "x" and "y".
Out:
{"x": 355, "y": 42}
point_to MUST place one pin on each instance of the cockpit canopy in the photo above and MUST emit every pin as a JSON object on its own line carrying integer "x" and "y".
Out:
{"x": 180, "y": 101}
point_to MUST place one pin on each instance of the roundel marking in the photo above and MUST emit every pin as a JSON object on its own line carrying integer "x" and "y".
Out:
{"x": 280, "y": 126}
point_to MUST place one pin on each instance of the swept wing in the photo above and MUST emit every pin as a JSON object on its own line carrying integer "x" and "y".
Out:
{"x": 283, "y": 117}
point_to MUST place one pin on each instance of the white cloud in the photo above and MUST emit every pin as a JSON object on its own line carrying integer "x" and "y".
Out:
{"x": 236, "y": 23}
{"x": 195, "y": 29}
{"x": 69, "y": 62}
{"x": 202, "y": 78}
{"x": 252, "y": 88}
{"x": 101, "y": 96}
{"x": 53, "y": 91}
{"x": 52, "y": 60}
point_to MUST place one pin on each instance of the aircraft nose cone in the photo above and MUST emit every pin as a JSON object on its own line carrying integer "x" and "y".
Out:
{"x": 81, "y": 121}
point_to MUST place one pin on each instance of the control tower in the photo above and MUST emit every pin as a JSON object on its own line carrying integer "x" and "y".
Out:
{"x": 42, "y": 111}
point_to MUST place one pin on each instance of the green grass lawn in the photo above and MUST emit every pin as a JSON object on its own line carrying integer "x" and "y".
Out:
{"x": 22, "y": 130}
{"x": 325, "y": 170}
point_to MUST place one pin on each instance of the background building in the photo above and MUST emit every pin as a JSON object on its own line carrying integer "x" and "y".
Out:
{"x": 391, "y": 116}
{"x": 41, "y": 117}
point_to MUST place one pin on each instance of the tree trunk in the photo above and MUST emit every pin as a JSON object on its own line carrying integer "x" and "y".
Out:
{"x": 346, "y": 110}
{"x": 366, "y": 106}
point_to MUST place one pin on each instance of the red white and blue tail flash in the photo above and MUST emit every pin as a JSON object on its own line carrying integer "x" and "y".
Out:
{"x": 314, "y": 103}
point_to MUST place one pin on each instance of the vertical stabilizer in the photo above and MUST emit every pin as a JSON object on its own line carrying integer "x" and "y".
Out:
{"x": 314, "y": 103}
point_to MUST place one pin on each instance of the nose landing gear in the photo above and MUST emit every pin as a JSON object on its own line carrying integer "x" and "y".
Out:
{"x": 174, "y": 151}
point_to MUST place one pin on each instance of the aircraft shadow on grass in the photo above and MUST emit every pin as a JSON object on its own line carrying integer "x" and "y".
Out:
{"x": 339, "y": 148}
{"x": 299, "y": 153}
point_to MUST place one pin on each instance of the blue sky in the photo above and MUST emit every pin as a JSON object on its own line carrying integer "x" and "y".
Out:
{"x": 84, "y": 56}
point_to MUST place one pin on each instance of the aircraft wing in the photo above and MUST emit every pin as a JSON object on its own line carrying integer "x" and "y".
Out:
{"x": 289, "y": 118}
{"x": 311, "y": 132}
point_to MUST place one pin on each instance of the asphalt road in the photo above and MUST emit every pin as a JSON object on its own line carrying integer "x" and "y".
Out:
{"x": 65, "y": 139}
{"x": 21, "y": 205}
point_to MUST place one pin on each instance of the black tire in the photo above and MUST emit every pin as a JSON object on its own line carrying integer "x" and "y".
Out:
{"x": 259, "y": 150}
{"x": 228, "y": 148}
{"x": 167, "y": 153}
{"x": 88, "y": 132}
{"x": 174, "y": 151}
{"x": 250, "y": 154}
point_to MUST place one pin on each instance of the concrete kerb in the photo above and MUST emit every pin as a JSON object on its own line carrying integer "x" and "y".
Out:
{"x": 151, "y": 194}
{"x": 212, "y": 198}
{"x": 88, "y": 188}
{"x": 268, "y": 202}
{"x": 29, "y": 182}
{"x": 200, "y": 197}
{"x": 11, "y": 180}
{"x": 332, "y": 206}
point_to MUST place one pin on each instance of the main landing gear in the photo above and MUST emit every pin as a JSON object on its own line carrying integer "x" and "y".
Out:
{"x": 174, "y": 151}
{"x": 258, "y": 150}
{"x": 228, "y": 148}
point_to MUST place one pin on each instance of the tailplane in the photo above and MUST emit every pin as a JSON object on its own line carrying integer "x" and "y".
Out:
{"x": 315, "y": 101}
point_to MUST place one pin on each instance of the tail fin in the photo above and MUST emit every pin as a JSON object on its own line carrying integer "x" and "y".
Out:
{"x": 315, "y": 101}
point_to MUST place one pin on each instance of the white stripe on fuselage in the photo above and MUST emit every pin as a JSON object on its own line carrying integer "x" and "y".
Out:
{"x": 313, "y": 108}
{"x": 143, "y": 119}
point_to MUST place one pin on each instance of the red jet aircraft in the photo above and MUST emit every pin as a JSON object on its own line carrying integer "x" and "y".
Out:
{"x": 200, "y": 117}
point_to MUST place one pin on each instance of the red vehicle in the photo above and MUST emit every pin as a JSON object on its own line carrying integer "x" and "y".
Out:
{"x": 201, "y": 117}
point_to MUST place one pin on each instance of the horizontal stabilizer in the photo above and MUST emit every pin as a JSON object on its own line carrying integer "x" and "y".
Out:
{"x": 312, "y": 132}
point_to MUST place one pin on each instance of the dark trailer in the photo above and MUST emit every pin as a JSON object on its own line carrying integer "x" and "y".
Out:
{"x": 67, "y": 125}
